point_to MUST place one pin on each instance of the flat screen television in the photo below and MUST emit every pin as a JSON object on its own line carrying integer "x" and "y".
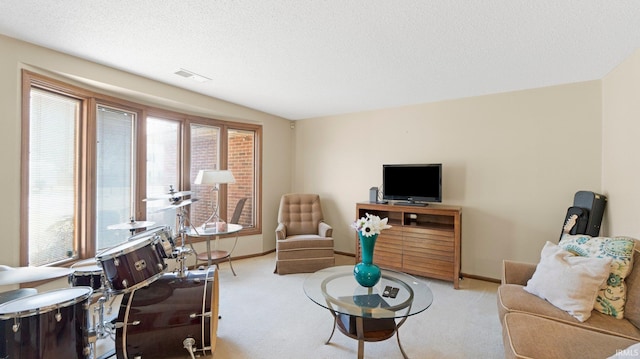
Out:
{"x": 414, "y": 184}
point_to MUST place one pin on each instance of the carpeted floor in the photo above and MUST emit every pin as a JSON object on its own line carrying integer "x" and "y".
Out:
{"x": 268, "y": 316}
{"x": 265, "y": 315}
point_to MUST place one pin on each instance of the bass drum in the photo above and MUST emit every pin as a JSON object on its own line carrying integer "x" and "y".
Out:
{"x": 169, "y": 315}
{"x": 48, "y": 325}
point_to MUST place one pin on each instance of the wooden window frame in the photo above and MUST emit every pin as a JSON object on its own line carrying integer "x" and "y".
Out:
{"x": 85, "y": 246}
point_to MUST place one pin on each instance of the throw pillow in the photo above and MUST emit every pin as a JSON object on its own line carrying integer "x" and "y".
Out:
{"x": 612, "y": 298}
{"x": 567, "y": 281}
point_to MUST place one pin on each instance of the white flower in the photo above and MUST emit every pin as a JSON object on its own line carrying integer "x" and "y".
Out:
{"x": 370, "y": 225}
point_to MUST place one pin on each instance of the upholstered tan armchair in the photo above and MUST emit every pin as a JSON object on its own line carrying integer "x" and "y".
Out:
{"x": 303, "y": 240}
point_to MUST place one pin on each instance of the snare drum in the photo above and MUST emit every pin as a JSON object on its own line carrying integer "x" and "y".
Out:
{"x": 156, "y": 321}
{"x": 87, "y": 273}
{"x": 48, "y": 325}
{"x": 166, "y": 245}
{"x": 131, "y": 265}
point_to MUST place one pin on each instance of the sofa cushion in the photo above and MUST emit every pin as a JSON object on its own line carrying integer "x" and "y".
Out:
{"x": 632, "y": 282}
{"x": 611, "y": 299}
{"x": 567, "y": 281}
{"x": 555, "y": 339}
{"x": 513, "y": 298}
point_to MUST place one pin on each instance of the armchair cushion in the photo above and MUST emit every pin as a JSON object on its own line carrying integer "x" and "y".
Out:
{"x": 300, "y": 213}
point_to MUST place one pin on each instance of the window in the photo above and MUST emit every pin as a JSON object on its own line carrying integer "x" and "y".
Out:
{"x": 53, "y": 152}
{"x": 241, "y": 158}
{"x": 114, "y": 173}
{"x": 163, "y": 172}
{"x": 91, "y": 161}
{"x": 205, "y": 155}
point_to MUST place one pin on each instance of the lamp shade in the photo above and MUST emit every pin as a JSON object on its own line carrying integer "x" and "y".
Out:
{"x": 212, "y": 177}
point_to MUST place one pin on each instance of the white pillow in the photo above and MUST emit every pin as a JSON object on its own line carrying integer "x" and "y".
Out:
{"x": 567, "y": 281}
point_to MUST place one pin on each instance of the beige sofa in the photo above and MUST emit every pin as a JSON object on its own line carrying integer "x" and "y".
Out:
{"x": 534, "y": 328}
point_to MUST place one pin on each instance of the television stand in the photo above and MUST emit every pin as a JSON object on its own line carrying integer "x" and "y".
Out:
{"x": 424, "y": 241}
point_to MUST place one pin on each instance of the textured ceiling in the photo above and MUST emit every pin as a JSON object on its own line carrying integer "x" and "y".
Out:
{"x": 301, "y": 59}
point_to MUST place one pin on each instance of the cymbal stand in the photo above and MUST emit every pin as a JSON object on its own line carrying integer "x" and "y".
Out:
{"x": 182, "y": 253}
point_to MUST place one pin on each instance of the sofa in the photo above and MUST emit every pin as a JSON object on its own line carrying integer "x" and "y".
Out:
{"x": 532, "y": 327}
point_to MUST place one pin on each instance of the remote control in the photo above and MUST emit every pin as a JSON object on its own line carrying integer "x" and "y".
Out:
{"x": 394, "y": 292}
{"x": 387, "y": 291}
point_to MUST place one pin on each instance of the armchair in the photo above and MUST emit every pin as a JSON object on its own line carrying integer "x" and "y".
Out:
{"x": 303, "y": 240}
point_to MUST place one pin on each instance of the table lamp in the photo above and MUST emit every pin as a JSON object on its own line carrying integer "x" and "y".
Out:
{"x": 213, "y": 178}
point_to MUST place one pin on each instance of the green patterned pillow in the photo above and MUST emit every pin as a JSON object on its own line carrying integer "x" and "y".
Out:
{"x": 611, "y": 299}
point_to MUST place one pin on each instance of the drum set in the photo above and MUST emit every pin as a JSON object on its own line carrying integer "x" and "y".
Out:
{"x": 160, "y": 313}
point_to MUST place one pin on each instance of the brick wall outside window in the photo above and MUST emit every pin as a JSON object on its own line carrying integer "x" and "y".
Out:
{"x": 204, "y": 155}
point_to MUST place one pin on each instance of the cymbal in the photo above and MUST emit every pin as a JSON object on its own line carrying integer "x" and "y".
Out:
{"x": 17, "y": 275}
{"x": 169, "y": 195}
{"x": 186, "y": 202}
{"x": 131, "y": 225}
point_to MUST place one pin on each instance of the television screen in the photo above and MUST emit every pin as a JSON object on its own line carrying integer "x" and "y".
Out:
{"x": 412, "y": 182}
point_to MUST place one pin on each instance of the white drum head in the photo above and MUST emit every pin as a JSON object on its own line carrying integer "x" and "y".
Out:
{"x": 124, "y": 248}
{"x": 44, "y": 302}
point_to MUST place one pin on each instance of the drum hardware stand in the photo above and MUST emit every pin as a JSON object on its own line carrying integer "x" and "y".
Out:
{"x": 182, "y": 253}
{"x": 103, "y": 329}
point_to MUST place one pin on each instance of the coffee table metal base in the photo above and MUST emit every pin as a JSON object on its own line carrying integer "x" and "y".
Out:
{"x": 366, "y": 330}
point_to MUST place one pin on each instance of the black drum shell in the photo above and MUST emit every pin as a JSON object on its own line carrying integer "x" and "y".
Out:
{"x": 131, "y": 264}
{"x": 165, "y": 311}
{"x": 41, "y": 336}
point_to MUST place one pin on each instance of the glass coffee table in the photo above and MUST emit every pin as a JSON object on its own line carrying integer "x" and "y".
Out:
{"x": 367, "y": 314}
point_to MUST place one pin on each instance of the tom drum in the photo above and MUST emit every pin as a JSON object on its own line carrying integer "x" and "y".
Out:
{"x": 49, "y": 325}
{"x": 87, "y": 273}
{"x": 132, "y": 264}
{"x": 168, "y": 316}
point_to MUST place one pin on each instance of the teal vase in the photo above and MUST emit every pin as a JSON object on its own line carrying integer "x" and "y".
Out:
{"x": 366, "y": 273}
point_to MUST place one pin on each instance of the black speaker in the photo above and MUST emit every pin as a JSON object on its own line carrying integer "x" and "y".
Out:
{"x": 595, "y": 204}
{"x": 373, "y": 194}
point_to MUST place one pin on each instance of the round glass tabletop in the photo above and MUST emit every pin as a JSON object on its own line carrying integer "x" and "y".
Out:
{"x": 199, "y": 232}
{"x": 336, "y": 289}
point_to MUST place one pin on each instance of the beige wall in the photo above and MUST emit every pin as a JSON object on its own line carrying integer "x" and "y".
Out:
{"x": 621, "y": 147}
{"x": 17, "y": 55}
{"x": 513, "y": 161}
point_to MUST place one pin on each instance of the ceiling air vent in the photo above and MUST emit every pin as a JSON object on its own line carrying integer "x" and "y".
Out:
{"x": 192, "y": 75}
